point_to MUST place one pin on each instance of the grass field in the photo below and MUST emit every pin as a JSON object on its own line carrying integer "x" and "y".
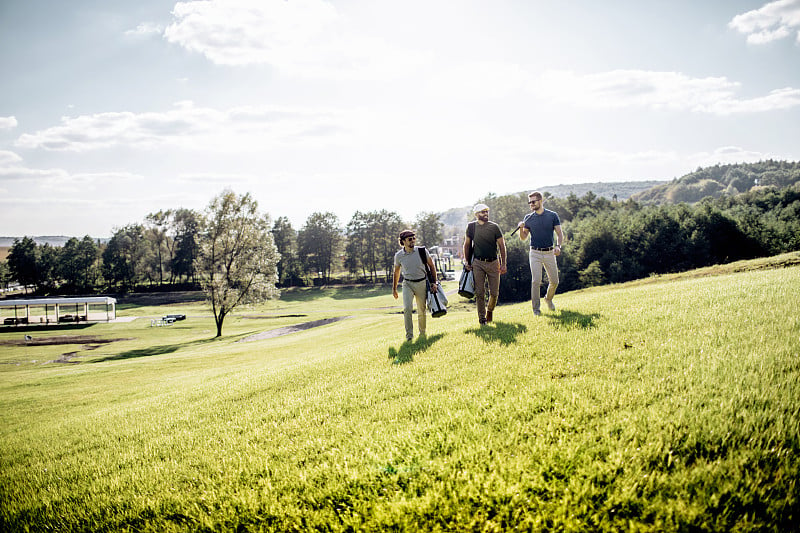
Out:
{"x": 671, "y": 404}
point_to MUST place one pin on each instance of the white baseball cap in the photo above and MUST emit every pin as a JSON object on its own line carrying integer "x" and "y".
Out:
{"x": 479, "y": 207}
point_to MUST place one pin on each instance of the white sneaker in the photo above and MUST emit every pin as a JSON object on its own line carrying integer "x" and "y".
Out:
{"x": 550, "y": 304}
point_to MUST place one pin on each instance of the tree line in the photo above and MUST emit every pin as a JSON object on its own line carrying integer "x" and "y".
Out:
{"x": 162, "y": 253}
{"x": 608, "y": 242}
{"x": 614, "y": 242}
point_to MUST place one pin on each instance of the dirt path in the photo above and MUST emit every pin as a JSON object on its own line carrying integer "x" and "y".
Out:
{"x": 292, "y": 329}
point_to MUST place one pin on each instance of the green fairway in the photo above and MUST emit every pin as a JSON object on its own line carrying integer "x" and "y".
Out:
{"x": 666, "y": 405}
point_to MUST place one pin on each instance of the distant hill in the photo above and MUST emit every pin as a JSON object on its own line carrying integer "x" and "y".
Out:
{"x": 622, "y": 189}
{"x": 722, "y": 179}
{"x": 52, "y": 240}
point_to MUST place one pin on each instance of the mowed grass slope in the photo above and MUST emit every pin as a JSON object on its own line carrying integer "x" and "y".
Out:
{"x": 671, "y": 405}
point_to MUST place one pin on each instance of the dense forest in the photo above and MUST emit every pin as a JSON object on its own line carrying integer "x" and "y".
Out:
{"x": 728, "y": 180}
{"x": 750, "y": 210}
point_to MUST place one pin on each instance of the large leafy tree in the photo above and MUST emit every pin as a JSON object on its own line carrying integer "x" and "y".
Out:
{"x": 320, "y": 240}
{"x": 22, "y": 262}
{"x": 237, "y": 260}
{"x": 77, "y": 263}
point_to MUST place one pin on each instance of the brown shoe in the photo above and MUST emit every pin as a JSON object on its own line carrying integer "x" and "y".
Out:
{"x": 488, "y": 316}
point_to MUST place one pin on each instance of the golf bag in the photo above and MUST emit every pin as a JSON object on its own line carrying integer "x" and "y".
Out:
{"x": 437, "y": 301}
{"x": 466, "y": 285}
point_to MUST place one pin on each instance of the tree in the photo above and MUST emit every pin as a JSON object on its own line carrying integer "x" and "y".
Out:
{"x": 372, "y": 242}
{"x": 592, "y": 275}
{"x": 387, "y": 225}
{"x": 185, "y": 231}
{"x": 77, "y": 264}
{"x": 5, "y": 274}
{"x": 124, "y": 257}
{"x": 358, "y": 252}
{"x": 319, "y": 242}
{"x": 160, "y": 243}
{"x": 22, "y": 262}
{"x": 47, "y": 259}
{"x": 429, "y": 229}
{"x": 285, "y": 237}
{"x": 237, "y": 261}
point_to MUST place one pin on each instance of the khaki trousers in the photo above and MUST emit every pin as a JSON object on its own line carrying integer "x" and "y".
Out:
{"x": 548, "y": 261}
{"x": 414, "y": 290}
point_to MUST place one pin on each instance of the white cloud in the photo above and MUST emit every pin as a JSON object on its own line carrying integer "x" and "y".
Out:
{"x": 21, "y": 173}
{"x": 657, "y": 90}
{"x": 7, "y": 123}
{"x": 7, "y": 158}
{"x": 144, "y": 29}
{"x": 13, "y": 169}
{"x": 773, "y": 21}
{"x": 301, "y": 37}
{"x": 726, "y": 155}
{"x": 237, "y": 129}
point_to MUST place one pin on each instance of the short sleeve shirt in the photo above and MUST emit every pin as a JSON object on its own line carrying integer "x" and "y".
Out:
{"x": 485, "y": 240}
{"x": 410, "y": 263}
{"x": 542, "y": 227}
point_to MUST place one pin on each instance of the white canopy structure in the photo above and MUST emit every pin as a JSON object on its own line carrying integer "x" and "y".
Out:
{"x": 58, "y": 310}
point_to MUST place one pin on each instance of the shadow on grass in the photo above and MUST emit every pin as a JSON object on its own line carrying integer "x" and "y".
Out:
{"x": 407, "y": 350}
{"x": 153, "y": 350}
{"x": 499, "y": 332}
{"x": 573, "y": 320}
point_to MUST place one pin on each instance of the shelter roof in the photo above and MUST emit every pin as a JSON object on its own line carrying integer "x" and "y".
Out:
{"x": 107, "y": 300}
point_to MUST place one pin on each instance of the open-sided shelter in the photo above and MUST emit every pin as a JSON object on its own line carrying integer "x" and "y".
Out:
{"x": 58, "y": 310}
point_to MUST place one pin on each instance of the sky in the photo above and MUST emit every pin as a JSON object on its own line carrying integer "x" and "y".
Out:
{"x": 111, "y": 110}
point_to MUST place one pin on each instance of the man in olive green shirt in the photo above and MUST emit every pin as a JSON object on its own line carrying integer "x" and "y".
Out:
{"x": 485, "y": 255}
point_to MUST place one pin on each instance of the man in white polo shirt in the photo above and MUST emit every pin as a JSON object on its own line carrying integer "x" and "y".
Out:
{"x": 409, "y": 261}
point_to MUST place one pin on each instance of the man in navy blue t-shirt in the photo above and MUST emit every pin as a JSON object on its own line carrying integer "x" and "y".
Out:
{"x": 540, "y": 224}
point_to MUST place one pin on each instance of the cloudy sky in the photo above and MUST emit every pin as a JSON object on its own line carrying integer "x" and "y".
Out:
{"x": 113, "y": 109}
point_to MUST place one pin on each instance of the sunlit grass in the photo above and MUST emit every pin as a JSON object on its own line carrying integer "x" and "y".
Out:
{"x": 672, "y": 405}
